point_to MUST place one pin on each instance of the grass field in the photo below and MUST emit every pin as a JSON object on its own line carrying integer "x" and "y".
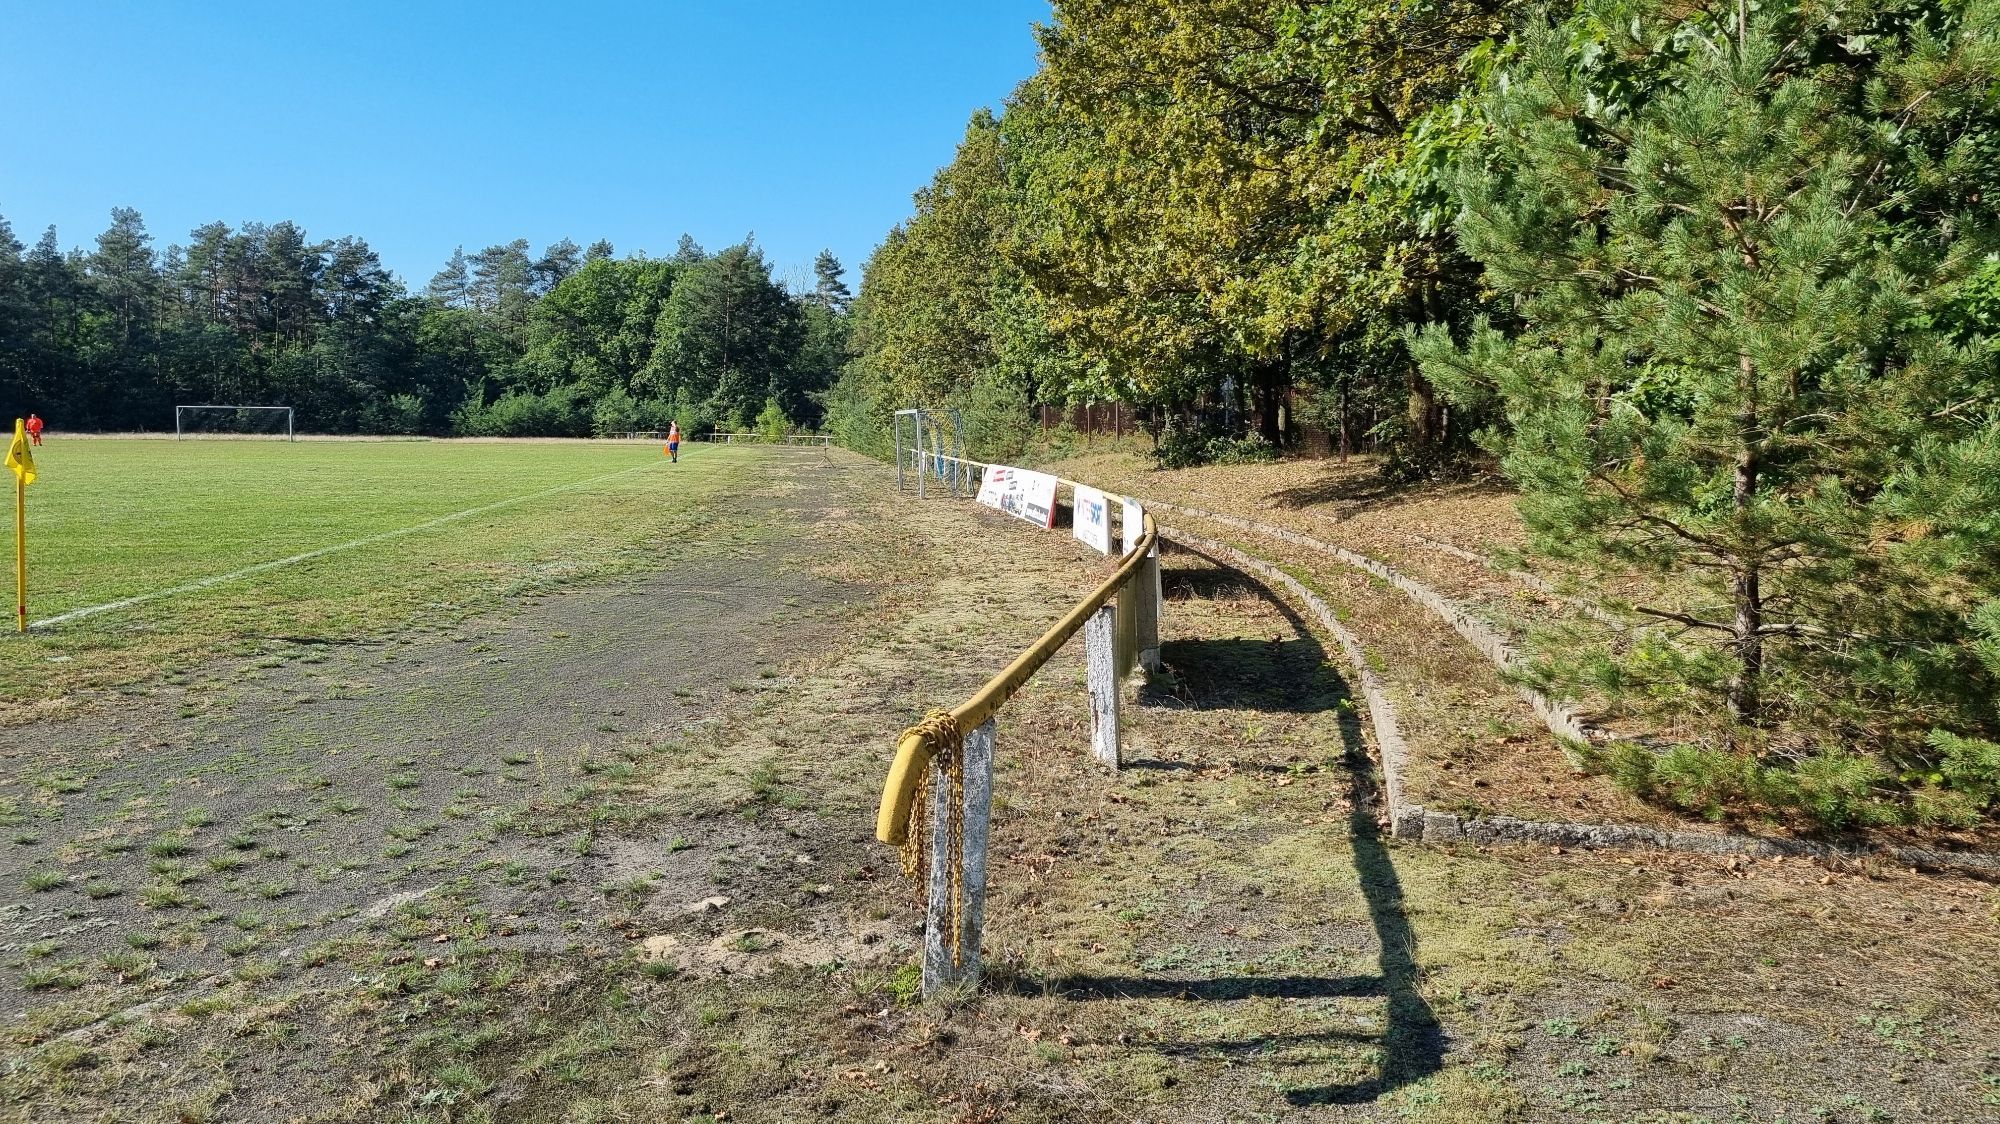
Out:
{"x": 116, "y": 519}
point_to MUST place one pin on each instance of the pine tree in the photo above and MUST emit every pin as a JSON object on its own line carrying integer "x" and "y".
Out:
{"x": 829, "y": 291}
{"x": 122, "y": 269}
{"x": 1740, "y": 246}
{"x": 452, "y": 285}
{"x": 557, "y": 262}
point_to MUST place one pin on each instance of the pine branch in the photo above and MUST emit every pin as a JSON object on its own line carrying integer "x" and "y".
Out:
{"x": 1683, "y": 618}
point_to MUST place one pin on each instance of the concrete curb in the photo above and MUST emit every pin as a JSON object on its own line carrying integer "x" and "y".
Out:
{"x": 1561, "y": 720}
{"x": 1415, "y": 823}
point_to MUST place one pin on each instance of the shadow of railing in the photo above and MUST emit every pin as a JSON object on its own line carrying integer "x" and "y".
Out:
{"x": 1294, "y": 676}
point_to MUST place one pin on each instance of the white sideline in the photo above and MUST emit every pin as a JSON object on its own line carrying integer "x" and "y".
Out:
{"x": 370, "y": 540}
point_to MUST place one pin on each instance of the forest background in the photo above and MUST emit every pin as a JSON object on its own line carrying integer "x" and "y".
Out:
{"x": 1716, "y": 288}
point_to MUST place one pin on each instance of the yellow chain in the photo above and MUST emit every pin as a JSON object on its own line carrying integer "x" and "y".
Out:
{"x": 947, "y": 750}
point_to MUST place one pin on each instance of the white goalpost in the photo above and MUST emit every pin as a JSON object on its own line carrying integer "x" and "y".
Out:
{"x": 188, "y": 420}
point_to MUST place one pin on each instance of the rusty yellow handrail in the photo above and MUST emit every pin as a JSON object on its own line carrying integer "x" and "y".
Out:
{"x": 892, "y": 819}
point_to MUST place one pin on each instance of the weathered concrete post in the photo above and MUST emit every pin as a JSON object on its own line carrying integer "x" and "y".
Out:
{"x": 1100, "y": 637}
{"x": 977, "y": 835}
{"x": 1150, "y": 595}
{"x": 975, "y": 818}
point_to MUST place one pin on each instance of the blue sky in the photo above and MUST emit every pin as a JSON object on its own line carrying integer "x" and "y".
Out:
{"x": 423, "y": 126}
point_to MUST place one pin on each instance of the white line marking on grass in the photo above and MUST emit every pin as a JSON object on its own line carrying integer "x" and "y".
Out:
{"x": 218, "y": 579}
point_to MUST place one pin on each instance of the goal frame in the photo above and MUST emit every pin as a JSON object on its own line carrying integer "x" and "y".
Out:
{"x": 179, "y": 431}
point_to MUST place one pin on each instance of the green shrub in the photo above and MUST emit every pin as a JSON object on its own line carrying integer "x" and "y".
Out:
{"x": 1241, "y": 450}
{"x": 772, "y": 423}
{"x": 395, "y": 416}
{"x": 559, "y": 413}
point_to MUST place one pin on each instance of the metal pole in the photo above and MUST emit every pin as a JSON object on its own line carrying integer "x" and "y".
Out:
{"x": 896, "y": 436}
{"x": 918, "y": 418}
{"x": 21, "y": 550}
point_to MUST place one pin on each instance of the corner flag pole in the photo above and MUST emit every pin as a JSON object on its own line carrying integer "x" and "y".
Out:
{"x": 22, "y": 462}
{"x": 21, "y": 550}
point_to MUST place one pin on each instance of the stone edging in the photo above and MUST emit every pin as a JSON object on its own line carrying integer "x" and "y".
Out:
{"x": 1418, "y": 824}
{"x": 1532, "y": 581}
{"x": 1561, "y": 720}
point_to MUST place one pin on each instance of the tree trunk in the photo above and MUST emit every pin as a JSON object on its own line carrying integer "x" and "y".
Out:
{"x": 1346, "y": 443}
{"x": 1268, "y": 381}
{"x": 1745, "y": 703}
{"x": 1423, "y": 411}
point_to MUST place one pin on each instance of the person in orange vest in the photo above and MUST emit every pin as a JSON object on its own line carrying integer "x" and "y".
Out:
{"x": 34, "y": 429}
{"x": 674, "y": 441}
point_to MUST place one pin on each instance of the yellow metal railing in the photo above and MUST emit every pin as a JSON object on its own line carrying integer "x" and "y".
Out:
{"x": 913, "y": 749}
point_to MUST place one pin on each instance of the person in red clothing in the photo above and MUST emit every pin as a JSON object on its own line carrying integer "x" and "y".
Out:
{"x": 674, "y": 441}
{"x": 34, "y": 429}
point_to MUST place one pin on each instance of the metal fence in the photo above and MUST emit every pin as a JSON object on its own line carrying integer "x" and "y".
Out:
{"x": 954, "y": 748}
{"x": 820, "y": 440}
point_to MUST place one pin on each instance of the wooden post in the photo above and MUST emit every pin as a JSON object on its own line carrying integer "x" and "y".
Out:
{"x": 1101, "y": 661}
{"x": 976, "y": 818}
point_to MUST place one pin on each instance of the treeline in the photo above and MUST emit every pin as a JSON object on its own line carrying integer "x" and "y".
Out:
{"x": 1214, "y": 208}
{"x": 1718, "y": 285}
{"x": 503, "y": 342}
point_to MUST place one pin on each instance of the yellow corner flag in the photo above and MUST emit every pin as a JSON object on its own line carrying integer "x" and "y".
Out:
{"x": 18, "y": 457}
{"x": 23, "y": 463}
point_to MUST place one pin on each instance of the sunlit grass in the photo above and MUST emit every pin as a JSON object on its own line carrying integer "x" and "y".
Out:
{"x": 118, "y": 518}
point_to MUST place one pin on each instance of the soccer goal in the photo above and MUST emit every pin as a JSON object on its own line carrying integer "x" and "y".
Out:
{"x": 233, "y": 421}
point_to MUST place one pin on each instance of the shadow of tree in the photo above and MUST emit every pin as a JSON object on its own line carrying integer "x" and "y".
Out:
{"x": 1292, "y": 675}
{"x": 1359, "y": 493}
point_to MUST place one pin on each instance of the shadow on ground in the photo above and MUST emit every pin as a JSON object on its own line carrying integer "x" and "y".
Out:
{"x": 1357, "y": 493}
{"x": 1289, "y": 675}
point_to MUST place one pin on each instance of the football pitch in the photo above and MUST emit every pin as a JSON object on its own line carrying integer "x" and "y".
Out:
{"x": 141, "y": 545}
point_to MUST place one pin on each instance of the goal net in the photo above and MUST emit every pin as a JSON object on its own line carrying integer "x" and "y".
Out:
{"x": 233, "y": 421}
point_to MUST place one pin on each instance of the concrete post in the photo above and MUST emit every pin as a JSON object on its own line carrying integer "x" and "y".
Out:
{"x": 1100, "y": 634}
{"x": 1150, "y": 595}
{"x": 978, "y": 831}
{"x": 938, "y": 970}
{"x": 976, "y": 816}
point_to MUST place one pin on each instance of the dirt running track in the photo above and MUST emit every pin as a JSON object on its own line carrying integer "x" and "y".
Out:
{"x": 603, "y": 854}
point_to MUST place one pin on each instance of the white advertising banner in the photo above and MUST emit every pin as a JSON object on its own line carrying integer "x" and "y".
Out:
{"x": 1133, "y": 526}
{"x": 1019, "y": 492}
{"x": 1092, "y": 525}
